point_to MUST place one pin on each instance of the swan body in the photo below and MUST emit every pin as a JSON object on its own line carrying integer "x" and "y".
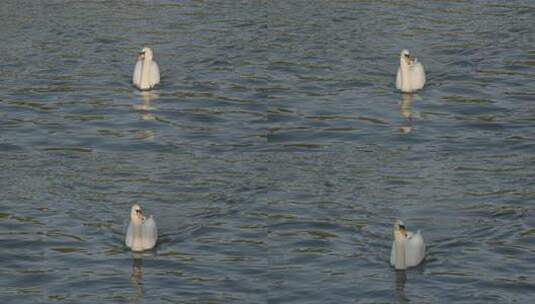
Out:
{"x": 142, "y": 232}
{"x": 408, "y": 249}
{"x": 411, "y": 75}
{"x": 146, "y": 72}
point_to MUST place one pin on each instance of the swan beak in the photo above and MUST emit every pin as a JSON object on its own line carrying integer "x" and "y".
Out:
{"x": 141, "y": 56}
{"x": 139, "y": 213}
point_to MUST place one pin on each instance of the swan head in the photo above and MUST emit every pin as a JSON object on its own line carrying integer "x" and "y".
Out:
{"x": 146, "y": 53}
{"x": 400, "y": 232}
{"x": 136, "y": 214}
{"x": 405, "y": 57}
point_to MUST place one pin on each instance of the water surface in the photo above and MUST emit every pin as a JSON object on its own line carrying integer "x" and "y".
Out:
{"x": 275, "y": 155}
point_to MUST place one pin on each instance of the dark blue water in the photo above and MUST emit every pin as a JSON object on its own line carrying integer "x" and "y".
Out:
{"x": 275, "y": 155}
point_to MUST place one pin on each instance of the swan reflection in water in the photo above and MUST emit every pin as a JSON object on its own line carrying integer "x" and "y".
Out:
{"x": 137, "y": 275}
{"x": 406, "y": 113}
{"x": 401, "y": 278}
{"x": 146, "y": 107}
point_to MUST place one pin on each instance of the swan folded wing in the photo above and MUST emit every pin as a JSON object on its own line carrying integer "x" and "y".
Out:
{"x": 136, "y": 79}
{"x": 149, "y": 233}
{"x": 417, "y": 76}
{"x": 393, "y": 254}
{"x": 154, "y": 74}
{"x": 414, "y": 249}
{"x": 129, "y": 235}
{"x": 398, "y": 79}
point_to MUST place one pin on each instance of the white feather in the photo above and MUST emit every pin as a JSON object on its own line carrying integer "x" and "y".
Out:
{"x": 136, "y": 79}
{"x": 129, "y": 235}
{"x": 417, "y": 76}
{"x": 414, "y": 249}
{"x": 149, "y": 233}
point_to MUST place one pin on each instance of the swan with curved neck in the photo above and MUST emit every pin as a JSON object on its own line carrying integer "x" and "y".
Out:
{"x": 146, "y": 73}
{"x": 408, "y": 249}
{"x": 411, "y": 74}
{"x": 142, "y": 233}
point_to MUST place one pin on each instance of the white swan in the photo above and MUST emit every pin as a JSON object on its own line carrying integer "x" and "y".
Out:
{"x": 142, "y": 232}
{"x": 146, "y": 72}
{"x": 408, "y": 249}
{"x": 411, "y": 74}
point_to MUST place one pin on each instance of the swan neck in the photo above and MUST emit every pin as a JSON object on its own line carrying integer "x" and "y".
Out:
{"x": 136, "y": 220}
{"x": 405, "y": 81}
{"x": 145, "y": 69}
{"x": 400, "y": 254}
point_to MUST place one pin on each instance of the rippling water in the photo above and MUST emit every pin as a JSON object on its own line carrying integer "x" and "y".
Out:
{"x": 275, "y": 155}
